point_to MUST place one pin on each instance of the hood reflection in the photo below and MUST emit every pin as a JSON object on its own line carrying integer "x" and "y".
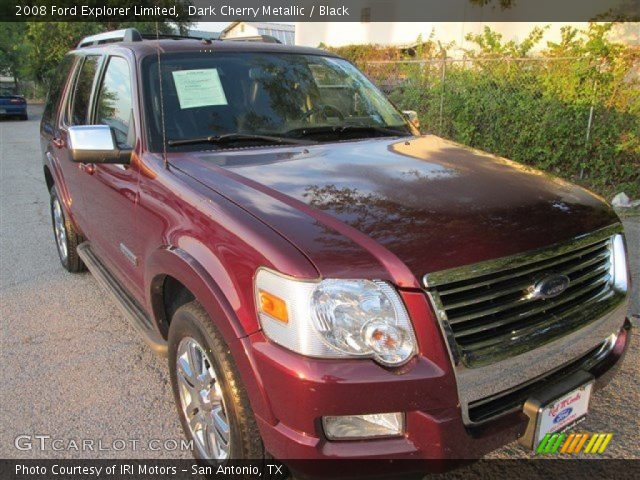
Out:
{"x": 431, "y": 202}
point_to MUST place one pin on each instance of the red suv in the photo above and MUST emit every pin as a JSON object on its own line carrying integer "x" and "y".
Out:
{"x": 325, "y": 281}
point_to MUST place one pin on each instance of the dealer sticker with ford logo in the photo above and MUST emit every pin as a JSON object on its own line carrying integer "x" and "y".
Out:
{"x": 564, "y": 411}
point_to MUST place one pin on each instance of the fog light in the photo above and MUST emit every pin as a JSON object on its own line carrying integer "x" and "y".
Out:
{"x": 352, "y": 427}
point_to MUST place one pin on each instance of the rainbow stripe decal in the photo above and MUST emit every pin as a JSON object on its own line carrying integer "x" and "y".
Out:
{"x": 574, "y": 443}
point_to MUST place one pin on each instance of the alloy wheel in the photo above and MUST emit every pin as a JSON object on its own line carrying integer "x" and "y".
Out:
{"x": 59, "y": 229}
{"x": 201, "y": 401}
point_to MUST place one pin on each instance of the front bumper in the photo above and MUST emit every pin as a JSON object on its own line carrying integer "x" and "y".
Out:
{"x": 477, "y": 387}
{"x": 300, "y": 391}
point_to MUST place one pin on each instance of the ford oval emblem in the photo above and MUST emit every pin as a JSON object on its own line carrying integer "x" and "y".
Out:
{"x": 550, "y": 286}
{"x": 563, "y": 415}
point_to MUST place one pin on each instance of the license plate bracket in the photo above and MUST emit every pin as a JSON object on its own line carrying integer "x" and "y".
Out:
{"x": 566, "y": 402}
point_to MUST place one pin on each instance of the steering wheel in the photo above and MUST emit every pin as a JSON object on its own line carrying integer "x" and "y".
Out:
{"x": 323, "y": 110}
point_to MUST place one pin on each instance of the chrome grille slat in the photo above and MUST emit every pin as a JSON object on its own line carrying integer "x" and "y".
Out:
{"x": 544, "y": 304}
{"x": 520, "y": 286}
{"x": 553, "y": 318}
{"x": 443, "y": 290}
{"x": 464, "y": 332}
{"x": 487, "y": 314}
{"x": 480, "y": 348}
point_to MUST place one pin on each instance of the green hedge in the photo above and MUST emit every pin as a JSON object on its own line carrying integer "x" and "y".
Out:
{"x": 520, "y": 116}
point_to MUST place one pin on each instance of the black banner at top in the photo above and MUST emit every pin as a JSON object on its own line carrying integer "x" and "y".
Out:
{"x": 322, "y": 10}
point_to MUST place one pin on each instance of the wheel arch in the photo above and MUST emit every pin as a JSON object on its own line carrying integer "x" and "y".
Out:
{"x": 171, "y": 295}
{"x": 48, "y": 177}
{"x": 54, "y": 179}
{"x": 173, "y": 270}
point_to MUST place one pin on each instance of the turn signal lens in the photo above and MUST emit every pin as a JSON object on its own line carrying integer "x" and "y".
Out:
{"x": 273, "y": 306}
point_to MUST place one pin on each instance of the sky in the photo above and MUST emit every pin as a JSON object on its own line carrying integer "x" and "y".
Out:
{"x": 210, "y": 26}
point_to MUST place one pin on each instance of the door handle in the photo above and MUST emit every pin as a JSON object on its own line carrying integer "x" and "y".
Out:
{"x": 89, "y": 168}
{"x": 58, "y": 142}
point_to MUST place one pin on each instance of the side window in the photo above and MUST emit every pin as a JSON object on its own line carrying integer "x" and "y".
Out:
{"x": 82, "y": 95}
{"x": 55, "y": 91}
{"x": 114, "y": 106}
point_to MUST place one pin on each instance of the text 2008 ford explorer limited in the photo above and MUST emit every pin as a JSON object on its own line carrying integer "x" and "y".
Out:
{"x": 326, "y": 282}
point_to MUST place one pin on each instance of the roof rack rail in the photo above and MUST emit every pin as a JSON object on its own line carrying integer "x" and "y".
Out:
{"x": 255, "y": 38}
{"x": 153, "y": 36}
{"x": 124, "y": 35}
{"x": 133, "y": 35}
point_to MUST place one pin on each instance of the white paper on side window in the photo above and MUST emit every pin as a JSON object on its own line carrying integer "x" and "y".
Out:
{"x": 199, "y": 88}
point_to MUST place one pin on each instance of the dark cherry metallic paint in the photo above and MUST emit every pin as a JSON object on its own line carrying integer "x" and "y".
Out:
{"x": 432, "y": 204}
{"x": 390, "y": 209}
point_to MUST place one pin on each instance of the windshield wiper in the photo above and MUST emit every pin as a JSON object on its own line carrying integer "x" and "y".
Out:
{"x": 373, "y": 128}
{"x": 232, "y": 137}
{"x": 340, "y": 129}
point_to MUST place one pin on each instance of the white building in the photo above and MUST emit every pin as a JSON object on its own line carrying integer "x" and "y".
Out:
{"x": 285, "y": 33}
{"x": 338, "y": 34}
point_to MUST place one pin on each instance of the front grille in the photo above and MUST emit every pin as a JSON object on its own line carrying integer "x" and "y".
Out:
{"x": 489, "y": 314}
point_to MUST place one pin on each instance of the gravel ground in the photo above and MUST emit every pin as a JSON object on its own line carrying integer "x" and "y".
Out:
{"x": 73, "y": 368}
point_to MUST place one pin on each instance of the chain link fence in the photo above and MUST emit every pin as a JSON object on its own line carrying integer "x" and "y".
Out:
{"x": 569, "y": 115}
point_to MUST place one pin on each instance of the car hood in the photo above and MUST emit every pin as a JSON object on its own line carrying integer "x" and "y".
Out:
{"x": 426, "y": 203}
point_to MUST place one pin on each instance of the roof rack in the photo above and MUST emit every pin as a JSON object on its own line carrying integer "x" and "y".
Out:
{"x": 153, "y": 36}
{"x": 255, "y": 38}
{"x": 133, "y": 35}
{"x": 124, "y": 35}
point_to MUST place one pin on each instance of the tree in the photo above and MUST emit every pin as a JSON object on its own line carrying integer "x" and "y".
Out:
{"x": 12, "y": 49}
{"x": 490, "y": 43}
{"x": 44, "y": 55}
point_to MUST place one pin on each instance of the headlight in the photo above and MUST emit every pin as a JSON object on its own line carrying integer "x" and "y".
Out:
{"x": 618, "y": 272}
{"x": 335, "y": 318}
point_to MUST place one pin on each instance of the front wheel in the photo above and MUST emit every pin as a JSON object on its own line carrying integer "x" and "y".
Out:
{"x": 212, "y": 403}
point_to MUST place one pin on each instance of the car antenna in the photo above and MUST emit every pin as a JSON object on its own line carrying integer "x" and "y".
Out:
{"x": 164, "y": 135}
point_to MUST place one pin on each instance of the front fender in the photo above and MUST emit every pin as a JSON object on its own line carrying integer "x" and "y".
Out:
{"x": 182, "y": 266}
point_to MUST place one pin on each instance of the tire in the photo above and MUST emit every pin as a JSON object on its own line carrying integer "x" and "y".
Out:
{"x": 24, "y": 117}
{"x": 66, "y": 237}
{"x": 191, "y": 323}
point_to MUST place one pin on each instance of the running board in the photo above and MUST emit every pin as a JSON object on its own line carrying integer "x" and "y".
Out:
{"x": 129, "y": 307}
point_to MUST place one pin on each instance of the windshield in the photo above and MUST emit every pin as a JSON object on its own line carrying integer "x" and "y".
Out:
{"x": 284, "y": 95}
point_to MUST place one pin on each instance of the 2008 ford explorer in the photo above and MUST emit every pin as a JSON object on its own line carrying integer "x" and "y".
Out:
{"x": 325, "y": 281}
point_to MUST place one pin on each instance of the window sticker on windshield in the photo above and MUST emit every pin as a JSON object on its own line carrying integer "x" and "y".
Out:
{"x": 199, "y": 88}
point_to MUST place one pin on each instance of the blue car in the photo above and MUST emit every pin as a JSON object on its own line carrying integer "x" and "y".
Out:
{"x": 12, "y": 104}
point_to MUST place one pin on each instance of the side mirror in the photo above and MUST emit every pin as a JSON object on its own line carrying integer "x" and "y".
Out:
{"x": 412, "y": 117}
{"x": 96, "y": 144}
